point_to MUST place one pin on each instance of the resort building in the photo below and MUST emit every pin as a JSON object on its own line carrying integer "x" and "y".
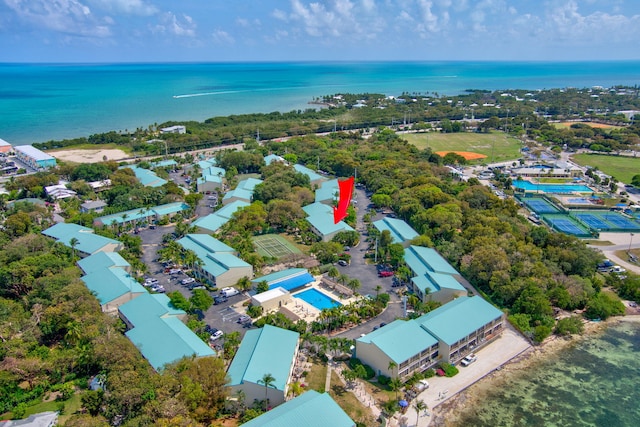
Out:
{"x": 268, "y": 350}
{"x": 289, "y": 279}
{"x": 310, "y": 409}
{"x": 328, "y": 192}
{"x": 243, "y": 191}
{"x": 315, "y": 178}
{"x": 112, "y": 287}
{"x": 170, "y": 164}
{"x": 100, "y": 185}
{"x": 219, "y": 262}
{"x": 86, "y": 241}
{"x": 274, "y": 158}
{"x": 446, "y": 334}
{"x": 102, "y": 260}
{"x": 212, "y": 179}
{"x": 147, "y": 178}
{"x": 434, "y": 279}
{"x": 401, "y": 232}
{"x": 320, "y": 218}
{"x": 141, "y": 216}
{"x": 33, "y": 157}
{"x": 213, "y": 222}
{"x": 5, "y": 147}
{"x": 156, "y": 329}
{"x": 181, "y": 129}
{"x": 96, "y": 206}
{"x": 272, "y": 300}
{"x": 42, "y": 419}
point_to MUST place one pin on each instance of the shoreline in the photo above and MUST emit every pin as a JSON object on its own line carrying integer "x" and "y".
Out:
{"x": 449, "y": 411}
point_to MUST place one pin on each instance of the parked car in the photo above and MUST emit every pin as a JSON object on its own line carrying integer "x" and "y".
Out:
{"x": 158, "y": 288}
{"x": 187, "y": 280}
{"x": 244, "y": 318}
{"x": 219, "y": 299}
{"x": 469, "y": 359}
{"x": 215, "y": 334}
{"x": 385, "y": 273}
{"x": 343, "y": 263}
{"x": 175, "y": 271}
{"x": 229, "y": 292}
{"x": 150, "y": 282}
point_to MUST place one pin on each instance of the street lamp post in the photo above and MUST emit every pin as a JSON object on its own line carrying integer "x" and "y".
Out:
{"x": 630, "y": 240}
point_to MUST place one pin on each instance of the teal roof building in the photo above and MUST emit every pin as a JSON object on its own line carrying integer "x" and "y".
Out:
{"x": 88, "y": 242}
{"x": 139, "y": 310}
{"x": 219, "y": 263}
{"x": 314, "y": 177}
{"x": 273, "y": 158}
{"x": 141, "y": 215}
{"x": 213, "y": 222}
{"x": 310, "y": 409}
{"x": 401, "y": 232}
{"x": 328, "y": 192}
{"x": 267, "y": 350}
{"x": 146, "y": 177}
{"x": 164, "y": 340}
{"x": 320, "y": 218}
{"x": 112, "y": 287}
{"x": 102, "y": 260}
{"x": 243, "y": 191}
{"x": 434, "y": 278}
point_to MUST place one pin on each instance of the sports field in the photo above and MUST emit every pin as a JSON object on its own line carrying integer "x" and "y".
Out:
{"x": 274, "y": 246}
{"x": 497, "y": 146}
{"x": 565, "y": 125}
{"x": 622, "y": 168}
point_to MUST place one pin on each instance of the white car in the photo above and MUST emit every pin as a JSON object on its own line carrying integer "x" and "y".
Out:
{"x": 187, "y": 280}
{"x": 469, "y": 359}
{"x": 215, "y": 334}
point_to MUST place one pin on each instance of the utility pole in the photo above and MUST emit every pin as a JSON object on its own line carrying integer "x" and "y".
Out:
{"x": 258, "y": 136}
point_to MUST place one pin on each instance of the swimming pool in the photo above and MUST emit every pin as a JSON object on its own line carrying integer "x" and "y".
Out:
{"x": 552, "y": 188}
{"x": 317, "y": 299}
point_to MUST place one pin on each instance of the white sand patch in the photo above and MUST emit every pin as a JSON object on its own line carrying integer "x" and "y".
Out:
{"x": 89, "y": 155}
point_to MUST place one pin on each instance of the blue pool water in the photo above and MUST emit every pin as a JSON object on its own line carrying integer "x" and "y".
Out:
{"x": 317, "y": 299}
{"x": 552, "y": 188}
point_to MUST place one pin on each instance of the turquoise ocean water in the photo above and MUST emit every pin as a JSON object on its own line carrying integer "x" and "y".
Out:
{"x": 592, "y": 383}
{"x": 40, "y": 102}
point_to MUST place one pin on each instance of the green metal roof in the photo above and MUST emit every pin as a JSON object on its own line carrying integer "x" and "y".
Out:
{"x": 400, "y": 230}
{"x": 166, "y": 340}
{"x": 458, "y": 318}
{"x": 310, "y": 409}
{"x": 146, "y": 177}
{"x": 268, "y": 350}
{"x": 422, "y": 260}
{"x": 273, "y": 158}
{"x": 101, "y": 260}
{"x": 400, "y": 340}
{"x": 217, "y": 258}
{"x": 111, "y": 283}
{"x": 88, "y": 241}
{"x": 244, "y": 189}
{"x": 144, "y": 308}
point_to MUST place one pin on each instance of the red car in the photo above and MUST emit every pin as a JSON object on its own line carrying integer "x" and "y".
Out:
{"x": 385, "y": 274}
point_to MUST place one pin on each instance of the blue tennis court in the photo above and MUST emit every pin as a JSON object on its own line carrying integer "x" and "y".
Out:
{"x": 539, "y": 205}
{"x": 620, "y": 221}
{"x": 607, "y": 221}
{"x": 566, "y": 225}
{"x": 593, "y": 221}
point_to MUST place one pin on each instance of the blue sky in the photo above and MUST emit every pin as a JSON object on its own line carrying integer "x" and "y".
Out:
{"x": 285, "y": 30}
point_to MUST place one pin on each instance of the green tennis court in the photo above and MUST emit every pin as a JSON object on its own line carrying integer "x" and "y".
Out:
{"x": 274, "y": 246}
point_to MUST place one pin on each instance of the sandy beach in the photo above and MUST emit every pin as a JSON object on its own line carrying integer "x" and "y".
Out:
{"x": 448, "y": 413}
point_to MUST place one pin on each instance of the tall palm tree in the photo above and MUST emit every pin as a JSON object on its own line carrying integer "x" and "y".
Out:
{"x": 73, "y": 242}
{"x": 395, "y": 384}
{"x": 419, "y": 405}
{"x": 267, "y": 380}
{"x": 392, "y": 366}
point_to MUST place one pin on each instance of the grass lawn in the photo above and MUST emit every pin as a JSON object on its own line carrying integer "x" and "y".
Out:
{"x": 497, "y": 146}
{"x": 71, "y": 406}
{"x": 317, "y": 376}
{"x": 620, "y": 167}
{"x": 349, "y": 402}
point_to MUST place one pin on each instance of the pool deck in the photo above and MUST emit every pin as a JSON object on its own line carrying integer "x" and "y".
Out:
{"x": 308, "y": 312}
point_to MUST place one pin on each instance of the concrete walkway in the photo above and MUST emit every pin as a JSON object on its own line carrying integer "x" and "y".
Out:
{"x": 358, "y": 390}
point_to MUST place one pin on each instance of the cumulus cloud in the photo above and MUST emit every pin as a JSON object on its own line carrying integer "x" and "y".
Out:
{"x": 128, "y": 7}
{"x": 222, "y": 37}
{"x": 70, "y": 17}
{"x": 170, "y": 23}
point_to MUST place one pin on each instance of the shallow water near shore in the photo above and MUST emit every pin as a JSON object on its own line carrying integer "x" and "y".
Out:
{"x": 590, "y": 383}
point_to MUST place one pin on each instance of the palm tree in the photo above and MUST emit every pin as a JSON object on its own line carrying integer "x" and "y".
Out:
{"x": 419, "y": 405}
{"x": 73, "y": 242}
{"x": 391, "y": 366}
{"x": 267, "y": 380}
{"x": 395, "y": 384}
{"x": 378, "y": 288}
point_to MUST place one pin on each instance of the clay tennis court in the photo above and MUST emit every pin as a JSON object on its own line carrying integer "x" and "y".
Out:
{"x": 468, "y": 155}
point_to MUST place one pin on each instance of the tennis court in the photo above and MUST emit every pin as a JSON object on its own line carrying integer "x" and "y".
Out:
{"x": 607, "y": 221}
{"x": 539, "y": 205}
{"x": 567, "y": 225}
{"x": 274, "y": 246}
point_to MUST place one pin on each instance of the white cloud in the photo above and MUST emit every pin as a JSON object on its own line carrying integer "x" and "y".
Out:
{"x": 70, "y": 17}
{"x": 222, "y": 37}
{"x": 170, "y": 23}
{"x": 128, "y": 7}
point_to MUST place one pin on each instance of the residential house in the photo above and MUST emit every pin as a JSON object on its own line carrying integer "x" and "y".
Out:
{"x": 59, "y": 191}
{"x": 401, "y": 232}
{"x": 214, "y": 221}
{"x": 433, "y": 277}
{"x": 96, "y": 206}
{"x": 315, "y": 178}
{"x": 102, "y": 260}
{"x": 243, "y": 191}
{"x": 86, "y": 243}
{"x": 320, "y": 218}
{"x": 42, "y": 419}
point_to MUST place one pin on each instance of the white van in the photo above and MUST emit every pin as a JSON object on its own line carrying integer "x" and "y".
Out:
{"x": 229, "y": 292}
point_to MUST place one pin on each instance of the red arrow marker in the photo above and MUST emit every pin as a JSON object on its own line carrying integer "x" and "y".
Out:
{"x": 346, "y": 190}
